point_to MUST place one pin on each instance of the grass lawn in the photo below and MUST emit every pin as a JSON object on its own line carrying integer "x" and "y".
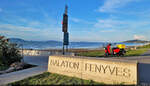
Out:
{"x": 92, "y": 54}
{"x": 136, "y": 52}
{"x": 54, "y": 79}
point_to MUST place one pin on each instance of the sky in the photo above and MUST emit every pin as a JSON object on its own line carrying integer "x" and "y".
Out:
{"x": 89, "y": 20}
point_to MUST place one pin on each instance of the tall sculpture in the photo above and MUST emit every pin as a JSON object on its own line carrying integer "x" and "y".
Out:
{"x": 65, "y": 30}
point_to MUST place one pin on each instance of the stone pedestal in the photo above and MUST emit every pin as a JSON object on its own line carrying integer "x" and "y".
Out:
{"x": 107, "y": 71}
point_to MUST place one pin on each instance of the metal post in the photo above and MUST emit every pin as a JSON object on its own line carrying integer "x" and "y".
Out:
{"x": 22, "y": 54}
{"x": 65, "y": 30}
{"x": 66, "y": 48}
{"x": 63, "y": 50}
{"x": 21, "y": 45}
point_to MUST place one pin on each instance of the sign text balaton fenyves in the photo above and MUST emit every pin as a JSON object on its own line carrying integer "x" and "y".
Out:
{"x": 100, "y": 70}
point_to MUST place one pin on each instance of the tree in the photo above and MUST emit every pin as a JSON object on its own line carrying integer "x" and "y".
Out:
{"x": 9, "y": 52}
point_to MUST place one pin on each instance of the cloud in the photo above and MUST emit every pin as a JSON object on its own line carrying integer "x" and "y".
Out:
{"x": 109, "y": 23}
{"x": 112, "y": 5}
{"x": 109, "y": 30}
{"x": 140, "y": 37}
{"x": 75, "y": 19}
{"x": 34, "y": 23}
{"x": 17, "y": 28}
{"x": 117, "y": 23}
{"x": 22, "y": 20}
{"x": 1, "y": 9}
{"x": 30, "y": 33}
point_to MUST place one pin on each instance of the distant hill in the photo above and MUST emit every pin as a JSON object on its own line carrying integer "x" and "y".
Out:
{"x": 52, "y": 44}
{"x": 35, "y": 44}
{"x": 136, "y": 41}
{"x": 16, "y": 40}
{"x": 21, "y": 41}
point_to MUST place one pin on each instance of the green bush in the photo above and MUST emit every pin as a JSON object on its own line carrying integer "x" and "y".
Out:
{"x": 9, "y": 52}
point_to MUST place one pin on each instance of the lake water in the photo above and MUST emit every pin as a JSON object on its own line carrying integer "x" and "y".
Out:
{"x": 75, "y": 45}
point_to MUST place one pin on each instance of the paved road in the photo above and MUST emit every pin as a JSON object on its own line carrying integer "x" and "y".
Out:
{"x": 41, "y": 61}
{"x": 37, "y": 60}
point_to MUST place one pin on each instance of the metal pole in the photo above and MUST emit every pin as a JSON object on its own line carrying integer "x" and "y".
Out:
{"x": 63, "y": 50}
{"x": 66, "y": 48}
{"x": 22, "y": 53}
{"x": 64, "y": 29}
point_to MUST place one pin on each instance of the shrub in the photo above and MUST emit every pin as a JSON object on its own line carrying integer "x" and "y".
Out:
{"x": 9, "y": 52}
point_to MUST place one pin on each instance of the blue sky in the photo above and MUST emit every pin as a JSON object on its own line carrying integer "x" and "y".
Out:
{"x": 89, "y": 20}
